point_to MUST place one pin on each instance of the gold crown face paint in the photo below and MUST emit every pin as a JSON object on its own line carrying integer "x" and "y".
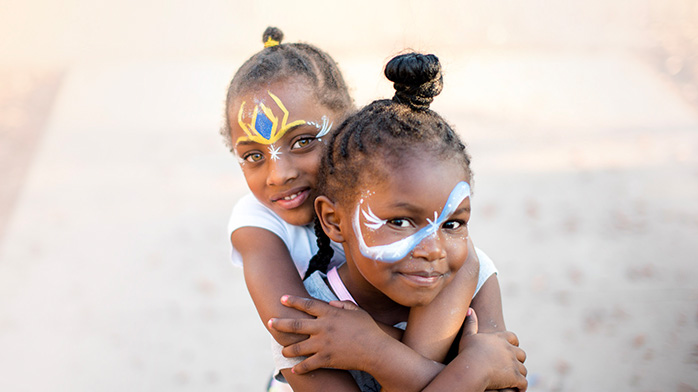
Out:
{"x": 262, "y": 125}
{"x": 376, "y": 241}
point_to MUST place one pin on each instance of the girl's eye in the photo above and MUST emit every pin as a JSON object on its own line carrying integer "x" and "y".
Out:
{"x": 304, "y": 142}
{"x": 253, "y": 157}
{"x": 453, "y": 225}
{"x": 399, "y": 222}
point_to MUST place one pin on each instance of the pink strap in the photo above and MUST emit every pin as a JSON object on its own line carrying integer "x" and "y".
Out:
{"x": 338, "y": 286}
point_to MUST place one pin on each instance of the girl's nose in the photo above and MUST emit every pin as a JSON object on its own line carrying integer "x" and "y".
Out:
{"x": 430, "y": 248}
{"x": 281, "y": 171}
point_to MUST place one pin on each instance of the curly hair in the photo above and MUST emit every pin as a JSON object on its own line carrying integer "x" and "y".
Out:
{"x": 280, "y": 61}
{"x": 384, "y": 134}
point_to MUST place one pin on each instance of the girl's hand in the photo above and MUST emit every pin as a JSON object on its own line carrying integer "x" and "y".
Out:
{"x": 342, "y": 336}
{"x": 499, "y": 351}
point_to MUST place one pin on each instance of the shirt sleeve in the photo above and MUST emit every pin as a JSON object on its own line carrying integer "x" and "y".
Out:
{"x": 280, "y": 361}
{"x": 248, "y": 212}
{"x": 487, "y": 269}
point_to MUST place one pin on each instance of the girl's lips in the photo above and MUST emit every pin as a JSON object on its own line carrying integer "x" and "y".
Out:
{"x": 422, "y": 279}
{"x": 292, "y": 200}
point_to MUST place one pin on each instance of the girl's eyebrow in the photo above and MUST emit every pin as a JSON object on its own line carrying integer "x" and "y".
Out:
{"x": 296, "y": 127}
{"x": 246, "y": 143}
{"x": 416, "y": 209}
{"x": 406, "y": 206}
{"x": 464, "y": 210}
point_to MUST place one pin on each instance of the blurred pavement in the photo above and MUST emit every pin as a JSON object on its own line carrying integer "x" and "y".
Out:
{"x": 582, "y": 119}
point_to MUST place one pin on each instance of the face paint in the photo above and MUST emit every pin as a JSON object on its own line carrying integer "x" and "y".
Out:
{"x": 398, "y": 250}
{"x": 325, "y": 128}
{"x": 274, "y": 152}
{"x": 372, "y": 221}
{"x": 264, "y": 126}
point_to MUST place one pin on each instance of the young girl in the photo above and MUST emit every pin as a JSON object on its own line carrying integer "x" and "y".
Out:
{"x": 396, "y": 194}
{"x": 281, "y": 105}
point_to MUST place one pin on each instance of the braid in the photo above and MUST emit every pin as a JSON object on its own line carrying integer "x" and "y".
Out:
{"x": 322, "y": 258}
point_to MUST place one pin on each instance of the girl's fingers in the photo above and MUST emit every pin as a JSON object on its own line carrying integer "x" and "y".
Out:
{"x": 308, "y": 305}
{"x": 520, "y": 355}
{"x": 512, "y": 338}
{"x": 523, "y": 370}
{"x": 470, "y": 327}
{"x": 347, "y": 305}
{"x": 300, "y": 349}
{"x": 309, "y": 364}
{"x": 524, "y": 383}
{"x": 297, "y": 326}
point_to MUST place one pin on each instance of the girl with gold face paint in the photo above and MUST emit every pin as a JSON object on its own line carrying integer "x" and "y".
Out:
{"x": 282, "y": 106}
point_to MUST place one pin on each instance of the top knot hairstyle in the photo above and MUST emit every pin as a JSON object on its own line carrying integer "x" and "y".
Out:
{"x": 272, "y": 36}
{"x": 417, "y": 79}
{"x": 278, "y": 62}
{"x": 385, "y": 134}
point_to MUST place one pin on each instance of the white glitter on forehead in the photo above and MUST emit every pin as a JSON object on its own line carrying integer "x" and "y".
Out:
{"x": 274, "y": 152}
{"x": 398, "y": 250}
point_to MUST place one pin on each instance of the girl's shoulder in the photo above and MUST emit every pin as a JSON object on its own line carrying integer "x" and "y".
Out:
{"x": 299, "y": 240}
{"x": 487, "y": 268}
{"x": 249, "y": 212}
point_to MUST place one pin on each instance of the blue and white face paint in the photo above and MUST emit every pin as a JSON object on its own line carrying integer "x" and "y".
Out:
{"x": 390, "y": 253}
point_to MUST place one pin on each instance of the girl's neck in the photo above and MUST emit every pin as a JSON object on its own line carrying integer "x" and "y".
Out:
{"x": 378, "y": 305}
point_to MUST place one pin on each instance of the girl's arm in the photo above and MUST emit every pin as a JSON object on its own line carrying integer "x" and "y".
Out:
{"x": 321, "y": 380}
{"x": 433, "y": 340}
{"x": 489, "y": 360}
{"x": 269, "y": 273}
{"x": 488, "y": 305}
{"x": 463, "y": 370}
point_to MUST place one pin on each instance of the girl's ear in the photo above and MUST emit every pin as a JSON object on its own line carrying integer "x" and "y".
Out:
{"x": 329, "y": 217}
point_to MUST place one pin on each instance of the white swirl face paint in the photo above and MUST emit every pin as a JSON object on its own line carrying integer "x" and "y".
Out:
{"x": 398, "y": 250}
{"x": 324, "y": 128}
{"x": 372, "y": 221}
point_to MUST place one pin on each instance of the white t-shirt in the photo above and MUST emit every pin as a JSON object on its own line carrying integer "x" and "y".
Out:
{"x": 301, "y": 240}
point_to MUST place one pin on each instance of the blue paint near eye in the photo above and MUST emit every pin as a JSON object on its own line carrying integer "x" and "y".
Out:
{"x": 398, "y": 250}
{"x": 263, "y": 125}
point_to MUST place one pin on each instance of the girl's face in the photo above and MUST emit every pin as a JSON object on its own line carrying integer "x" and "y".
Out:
{"x": 396, "y": 206}
{"x": 276, "y": 133}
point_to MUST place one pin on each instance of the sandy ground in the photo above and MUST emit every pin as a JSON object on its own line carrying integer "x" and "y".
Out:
{"x": 582, "y": 119}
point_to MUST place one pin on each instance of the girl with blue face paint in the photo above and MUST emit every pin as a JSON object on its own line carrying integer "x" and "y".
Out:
{"x": 395, "y": 192}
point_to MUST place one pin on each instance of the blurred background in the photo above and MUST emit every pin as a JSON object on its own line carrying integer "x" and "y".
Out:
{"x": 115, "y": 186}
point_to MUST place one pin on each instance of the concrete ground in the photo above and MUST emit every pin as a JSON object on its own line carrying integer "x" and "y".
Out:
{"x": 581, "y": 116}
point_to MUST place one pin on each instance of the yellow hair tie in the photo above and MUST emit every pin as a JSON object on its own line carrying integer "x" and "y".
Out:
{"x": 270, "y": 42}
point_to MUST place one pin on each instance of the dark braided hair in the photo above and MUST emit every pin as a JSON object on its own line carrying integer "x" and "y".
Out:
{"x": 286, "y": 61}
{"x": 387, "y": 133}
{"x": 322, "y": 258}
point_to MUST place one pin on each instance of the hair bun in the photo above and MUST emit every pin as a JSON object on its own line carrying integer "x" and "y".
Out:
{"x": 272, "y": 36}
{"x": 416, "y": 78}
